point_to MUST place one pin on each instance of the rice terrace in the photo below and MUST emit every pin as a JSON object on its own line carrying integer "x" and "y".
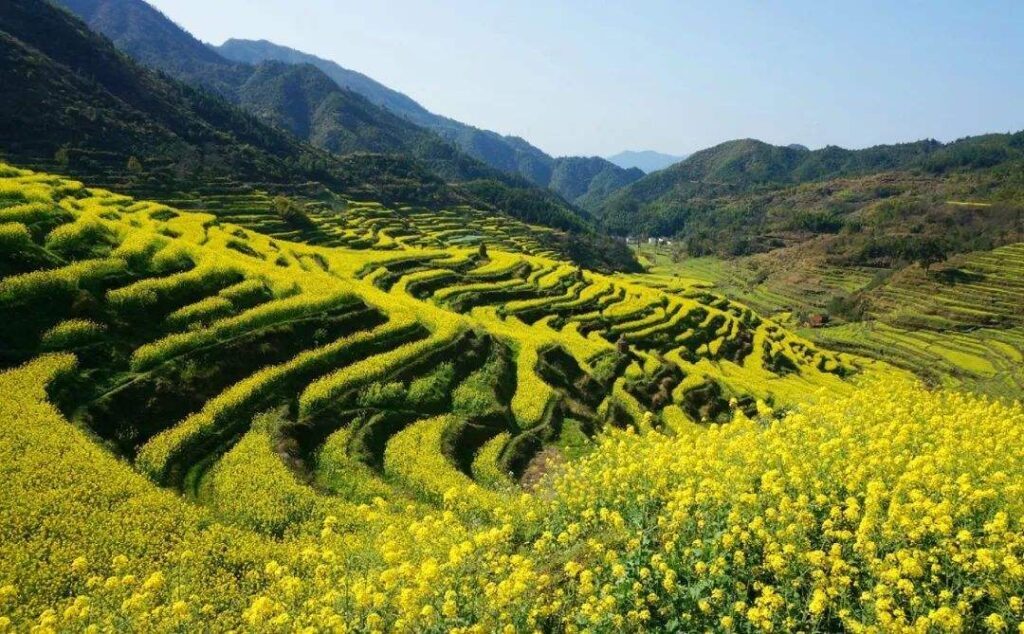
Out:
{"x": 282, "y": 350}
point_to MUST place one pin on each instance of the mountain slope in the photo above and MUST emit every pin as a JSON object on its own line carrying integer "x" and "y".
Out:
{"x": 586, "y": 186}
{"x": 153, "y": 40}
{"x": 257, "y": 51}
{"x": 69, "y": 91}
{"x": 297, "y": 95}
{"x": 733, "y": 175}
{"x": 646, "y": 160}
{"x": 884, "y": 208}
{"x": 74, "y": 103}
{"x": 304, "y": 101}
{"x": 300, "y": 99}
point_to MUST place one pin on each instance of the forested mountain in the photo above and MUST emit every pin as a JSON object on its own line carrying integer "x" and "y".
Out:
{"x": 304, "y": 100}
{"x": 70, "y": 96}
{"x": 747, "y": 196}
{"x": 300, "y": 99}
{"x": 585, "y": 181}
{"x": 258, "y": 51}
{"x": 74, "y": 103}
{"x": 647, "y": 160}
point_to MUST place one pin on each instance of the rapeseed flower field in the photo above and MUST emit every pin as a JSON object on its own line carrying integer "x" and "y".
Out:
{"x": 203, "y": 428}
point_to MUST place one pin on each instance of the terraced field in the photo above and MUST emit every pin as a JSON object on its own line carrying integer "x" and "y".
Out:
{"x": 204, "y": 324}
{"x": 412, "y": 351}
{"x": 961, "y": 324}
{"x": 423, "y": 421}
{"x": 326, "y": 218}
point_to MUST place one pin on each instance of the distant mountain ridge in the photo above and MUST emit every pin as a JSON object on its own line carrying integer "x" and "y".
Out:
{"x": 358, "y": 114}
{"x": 870, "y": 205}
{"x": 586, "y": 181}
{"x": 744, "y": 165}
{"x": 646, "y": 160}
{"x": 256, "y": 51}
{"x": 71, "y": 97}
{"x": 75, "y": 104}
{"x": 300, "y": 99}
{"x": 305, "y": 101}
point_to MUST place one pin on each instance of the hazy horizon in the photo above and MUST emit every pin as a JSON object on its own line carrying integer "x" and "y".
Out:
{"x": 663, "y": 76}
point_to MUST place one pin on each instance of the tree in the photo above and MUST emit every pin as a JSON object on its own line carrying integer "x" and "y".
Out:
{"x": 483, "y": 249}
{"x": 930, "y": 252}
{"x": 134, "y": 165}
{"x": 290, "y": 212}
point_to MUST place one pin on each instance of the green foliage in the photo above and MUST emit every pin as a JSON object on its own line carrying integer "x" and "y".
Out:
{"x": 893, "y": 250}
{"x": 14, "y": 236}
{"x": 432, "y": 390}
{"x": 71, "y": 333}
{"x": 391, "y": 395}
{"x": 747, "y": 197}
{"x": 847, "y": 307}
{"x": 291, "y": 213}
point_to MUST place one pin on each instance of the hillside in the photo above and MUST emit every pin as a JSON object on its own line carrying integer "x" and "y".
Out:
{"x": 399, "y": 327}
{"x": 300, "y": 99}
{"x": 281, "y": 351}
{"x": 75, "y": 102}
{"x": 645, "y": 160}
{"x": 77, "y": 105}
{"x": 584, "y": 181}
{"x": 258, "y": 51}
{"x": 322, "y": 103}
{"x": 326, "y": 427}
{"x": 957, "y": 324}
{"x": 745, "y": 197}
{"x": 306, "y": 102}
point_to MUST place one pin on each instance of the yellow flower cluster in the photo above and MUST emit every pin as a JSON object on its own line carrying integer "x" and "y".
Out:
{"x": 892, "y": 509}
{"x": 879, "y": 507}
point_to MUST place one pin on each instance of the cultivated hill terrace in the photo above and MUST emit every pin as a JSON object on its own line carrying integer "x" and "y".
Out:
{"x": 418, "y": 350}
{"x": 175, "y": 312}
{"x": 274, "y": 358}
{"x": 427, "y": 422}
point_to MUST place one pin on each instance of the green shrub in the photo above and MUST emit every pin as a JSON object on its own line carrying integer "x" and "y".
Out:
{"x": 56, "y": 283}
{"x": 477, "y": 395}
{"x": 71, "y": 333}
{"x": 14, "y": 236}
{"x": 432, "y": 390}
{"x": 382, "y": 396}
{"x": 83, "y": 239}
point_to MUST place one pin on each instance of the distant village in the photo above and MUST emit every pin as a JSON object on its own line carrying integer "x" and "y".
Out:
{"x": 639, "y": 240}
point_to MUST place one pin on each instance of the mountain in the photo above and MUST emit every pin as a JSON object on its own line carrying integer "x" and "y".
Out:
{"x": 584, "y": 181}
{"x": 646, "y": 160}
{"x": 333, "y": 108}
{"x": 747, "y": 196}
{"x": 589, "y": 180}
{"x": 306, "y": 102}
{"x": 74, "y": 103}
{"x": 72, "y": 98}
{"x": 257, "y": 51}
{"x": 300, "y": 99}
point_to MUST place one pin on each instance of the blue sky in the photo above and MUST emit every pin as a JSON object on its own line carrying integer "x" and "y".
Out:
{"x": 589, "y": 77}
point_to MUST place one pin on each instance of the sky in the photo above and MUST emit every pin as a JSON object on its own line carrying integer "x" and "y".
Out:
{"x": 578, "y": 77}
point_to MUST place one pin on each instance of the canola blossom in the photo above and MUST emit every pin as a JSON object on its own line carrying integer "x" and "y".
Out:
{"x": 204, "y": 428}
{"x": 892, "y": 509}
